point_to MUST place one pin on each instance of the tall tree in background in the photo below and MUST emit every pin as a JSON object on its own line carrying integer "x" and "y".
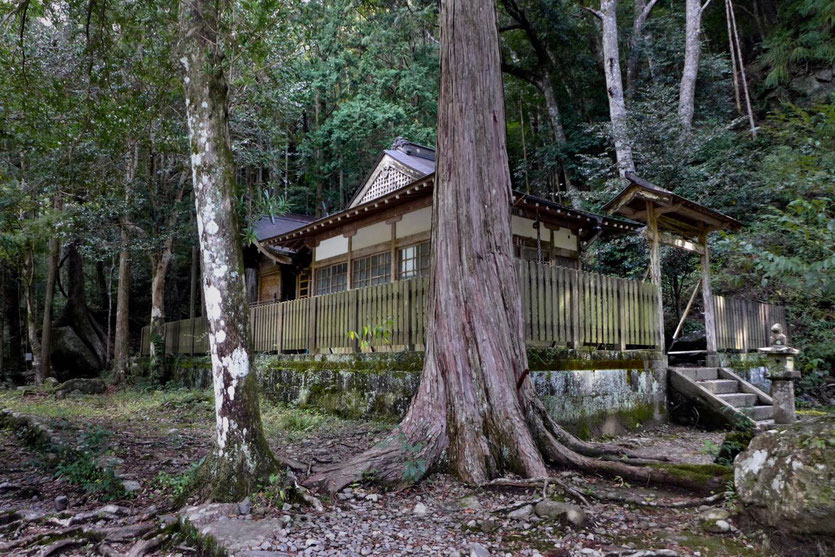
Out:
{"x": 692, "y": 54}
{"x": 607, "y": 14}
{"x": 241, "y": 457}
{"x": 475, "y": 402}
{"x": 542, "y": 77}
{"x": 642, "y": 11}
{"x": 44, "y": 370}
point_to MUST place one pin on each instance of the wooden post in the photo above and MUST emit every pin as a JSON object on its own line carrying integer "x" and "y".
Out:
{"x": 393, "y": 251}
{"x": 707, "y": 297}
{"x": 311, "y": 282}
{"x": 687, "y": 310}
{"x": 620, "y": 296}
{"x": 353, "y": 317}
{"x": 350, "y": 269}
{"x": 574, "y": 276}
{"x": 655, "y": 268}
{"x": 311, "y": 337}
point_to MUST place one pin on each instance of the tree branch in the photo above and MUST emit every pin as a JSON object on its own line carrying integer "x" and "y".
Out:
{"x": 596, "y": 13}
{"x": 509, "y": 27}
{"x": 523, "y": 74}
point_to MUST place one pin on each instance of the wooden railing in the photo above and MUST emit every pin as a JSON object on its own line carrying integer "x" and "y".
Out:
{"x": 561, "y": 307}
{"x": 745, "y": 325}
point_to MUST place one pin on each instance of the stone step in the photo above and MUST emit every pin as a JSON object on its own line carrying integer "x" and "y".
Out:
{"x": 698, "y": 373}
{"x": 739, "y": 400}
{"x": 764, "y": 424}
{"x": 720, "y": 386}
{"x": 759, "y": 413}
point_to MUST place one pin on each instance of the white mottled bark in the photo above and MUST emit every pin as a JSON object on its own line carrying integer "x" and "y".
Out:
{"x": 614, "y": 86}
{"x": 642, "y": 10}
{"x": 692, "y": 53}
{"x": 241, "y": 456}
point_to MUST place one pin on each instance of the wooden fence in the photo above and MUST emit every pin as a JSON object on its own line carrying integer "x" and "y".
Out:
{"x": 745, "y": 325}
{"x": 561, "y": 307}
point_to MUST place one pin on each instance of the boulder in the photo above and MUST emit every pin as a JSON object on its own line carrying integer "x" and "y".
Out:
{"x": 786, "y": 478}
{"x": 470, "y": 502}
{"x": 715, "y": 520}
{"x": 557, "y": 510}
{"x": 83, "y": 386}
{"x": 70, "y": 356}
{"x": 522, "y": 513}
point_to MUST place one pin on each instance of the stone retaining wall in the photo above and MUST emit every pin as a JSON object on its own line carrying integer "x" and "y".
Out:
{"x": 590, "y": 392}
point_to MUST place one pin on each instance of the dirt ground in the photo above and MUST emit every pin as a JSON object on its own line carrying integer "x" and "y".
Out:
{"x": 154, "y": 438}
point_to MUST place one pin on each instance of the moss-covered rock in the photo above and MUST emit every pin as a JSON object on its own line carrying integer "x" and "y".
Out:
{"x": 786, "y": 478}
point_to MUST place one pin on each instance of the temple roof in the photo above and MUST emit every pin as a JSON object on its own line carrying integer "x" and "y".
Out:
{"x": 675, "y": 213}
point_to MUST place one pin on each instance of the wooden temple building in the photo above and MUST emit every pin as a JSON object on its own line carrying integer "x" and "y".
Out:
{"x": 312, "y": 281}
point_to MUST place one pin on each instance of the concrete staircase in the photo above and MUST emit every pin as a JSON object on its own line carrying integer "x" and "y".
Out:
{"x": 724, "y": 393}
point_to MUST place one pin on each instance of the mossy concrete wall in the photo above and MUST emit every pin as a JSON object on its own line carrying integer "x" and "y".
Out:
{"x": 590, "y": 392}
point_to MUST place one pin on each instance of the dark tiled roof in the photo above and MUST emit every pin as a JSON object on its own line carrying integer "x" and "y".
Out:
{"x": 268, "y": 228}
{"x": 421, "y": 164}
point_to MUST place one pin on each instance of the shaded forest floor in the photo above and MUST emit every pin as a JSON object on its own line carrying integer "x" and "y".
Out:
{"x": 150, "y": 440}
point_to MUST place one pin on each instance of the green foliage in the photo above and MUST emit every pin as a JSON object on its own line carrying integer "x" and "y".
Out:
{"x": 805, "y": 36}
{"x": 82, "y": 467}
{"x": 788, "y": 252}
{"x": 179, "y": 485}
{"x": 85, "y": 472}
{"x": 414, "y": 467}
{"x": 733, "y": 444}
{"x": 370, "y": 333}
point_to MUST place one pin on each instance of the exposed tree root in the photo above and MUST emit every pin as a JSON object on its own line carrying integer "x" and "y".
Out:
{"x": 406, "y": 455}
{"x": 537, "y": 483}
{"x": 143, "y": 547}
{"x": 642, "y": 553}
{"x": 661, "y": 505}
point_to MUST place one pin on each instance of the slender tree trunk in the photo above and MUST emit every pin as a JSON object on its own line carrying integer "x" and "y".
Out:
{"x": 159, "y": 265}
{"x": 121, "y": 337}
{"x": 121, "y": 341}
{"x": 692, "y": 53}
{"x": 636, "y": 40}
{"x": 31, "y": 309}
{"x": 241, "y": 457}
{"x": 45, "y": 368}
{"x": 614, "y": 86}
{"x": 475, "y": 403}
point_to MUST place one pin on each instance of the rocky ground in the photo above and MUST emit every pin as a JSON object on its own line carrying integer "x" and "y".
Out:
{"x": 149, "y": 441}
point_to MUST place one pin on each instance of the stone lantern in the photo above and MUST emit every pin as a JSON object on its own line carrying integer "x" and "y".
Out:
{"x": 781, "y": 372}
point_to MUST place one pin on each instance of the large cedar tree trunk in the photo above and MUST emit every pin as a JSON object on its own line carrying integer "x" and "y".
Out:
{"x": 77, "y": 314}
{"x": 692, "y": 53}
{"x": 241, "y": 457}
{"x": 475, "y": 403}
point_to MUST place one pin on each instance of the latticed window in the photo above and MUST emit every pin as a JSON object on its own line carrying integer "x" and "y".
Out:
{"x": 387, "y": 181}
{"x": 413, "y": 261}
{"x": 332, "y": 279}
{"x": 375, "y": 269}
